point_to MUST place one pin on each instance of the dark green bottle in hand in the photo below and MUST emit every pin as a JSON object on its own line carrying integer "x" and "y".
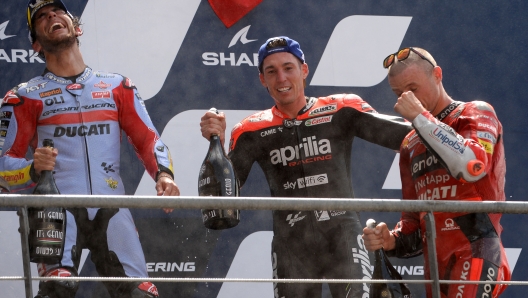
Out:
{"x": 217, "y": 178}
{"x": 383, "y": 269}
{"x": 46, "y": 225}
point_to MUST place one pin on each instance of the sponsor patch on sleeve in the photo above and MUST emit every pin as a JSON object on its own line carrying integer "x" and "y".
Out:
{"x": 6, "y": 115}
{"x": 487, "y": 135}
{"x": 17, "y": 177}
{"x": 4, "y": 124}
{"x": 488, "y": 147}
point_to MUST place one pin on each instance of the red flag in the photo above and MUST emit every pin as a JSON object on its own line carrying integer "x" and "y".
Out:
{"x": 230, "y": 11}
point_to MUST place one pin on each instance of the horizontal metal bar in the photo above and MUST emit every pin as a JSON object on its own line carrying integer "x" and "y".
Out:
{"x": 260, "y": 203}
{"x": 343, "y": 281}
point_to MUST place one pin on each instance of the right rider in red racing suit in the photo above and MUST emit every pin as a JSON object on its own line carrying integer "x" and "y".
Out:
{"x": 457, "y": 155}
{"x": 468, "y": 244}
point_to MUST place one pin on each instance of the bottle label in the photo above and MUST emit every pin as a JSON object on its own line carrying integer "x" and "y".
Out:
{"x": 204, "y": 181}
{"x": 46, "y": 237}
{"x": 48, "y": 251}
{"x": 208, "y": 214}
{"x": 228, "y": 186}
{"x": 49, "y": 232}
{"x": 50, "y": 215}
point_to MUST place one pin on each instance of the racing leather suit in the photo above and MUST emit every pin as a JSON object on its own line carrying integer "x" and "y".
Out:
{"x": 468, "y": 244}
{"x": 84, "y": 117}
{"x": 309, "y": 156}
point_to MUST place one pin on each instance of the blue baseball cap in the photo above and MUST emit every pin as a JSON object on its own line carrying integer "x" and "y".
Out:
{"x": 277, "y": 45}
{"x": 35, "y": 5}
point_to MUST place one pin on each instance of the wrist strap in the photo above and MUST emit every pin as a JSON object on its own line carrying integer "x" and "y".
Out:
{"x": 163, "y": 174}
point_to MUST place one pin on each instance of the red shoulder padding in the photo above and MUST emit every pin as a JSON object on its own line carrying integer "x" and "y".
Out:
{"x": 11, "y": 99}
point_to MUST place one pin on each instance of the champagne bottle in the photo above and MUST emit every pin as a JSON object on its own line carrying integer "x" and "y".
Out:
{"x": 217, "y": 178}
{"x": 46, "y": 225}
{"x": 383, "y": 269}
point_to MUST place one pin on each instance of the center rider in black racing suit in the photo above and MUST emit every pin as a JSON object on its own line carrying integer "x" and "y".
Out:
{"x": 303, "y": 145}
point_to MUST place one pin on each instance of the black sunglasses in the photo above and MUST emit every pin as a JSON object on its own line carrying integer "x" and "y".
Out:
{"x": 277, "y": 42}
{"x": 402, "y": 55}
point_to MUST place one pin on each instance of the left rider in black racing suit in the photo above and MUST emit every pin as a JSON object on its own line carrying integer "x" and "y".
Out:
{"x": 303, "y": 145}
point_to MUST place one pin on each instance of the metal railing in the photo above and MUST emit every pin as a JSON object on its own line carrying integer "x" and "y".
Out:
{"x": 257, "y": 203}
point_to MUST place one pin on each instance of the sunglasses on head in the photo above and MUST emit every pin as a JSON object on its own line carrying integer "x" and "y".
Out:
{"x": 402, "y": 55}
{"x": 277, "y": 42}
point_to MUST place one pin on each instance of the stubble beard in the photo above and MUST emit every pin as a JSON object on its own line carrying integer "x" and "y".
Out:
{"x": 57, "y": 45}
